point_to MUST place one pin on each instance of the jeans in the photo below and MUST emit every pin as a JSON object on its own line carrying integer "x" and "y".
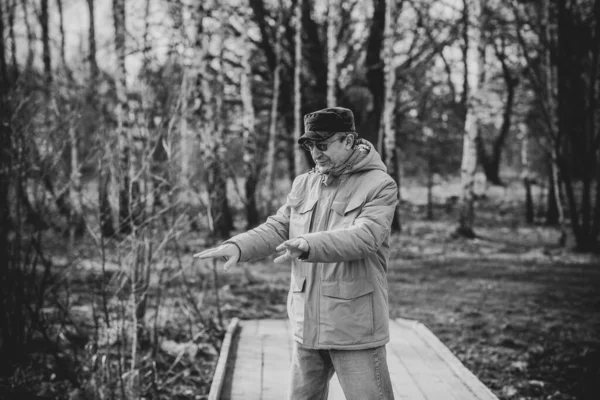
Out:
{"x": 363, "y": 374}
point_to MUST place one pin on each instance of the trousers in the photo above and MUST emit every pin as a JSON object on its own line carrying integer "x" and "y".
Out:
{"x": 363, "y": 374}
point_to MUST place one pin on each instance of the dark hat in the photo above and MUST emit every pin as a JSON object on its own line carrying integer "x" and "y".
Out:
{"x": 323, "y": 124}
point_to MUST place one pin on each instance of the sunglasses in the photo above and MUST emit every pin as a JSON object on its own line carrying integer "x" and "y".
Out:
{"x": 321, "y": 145}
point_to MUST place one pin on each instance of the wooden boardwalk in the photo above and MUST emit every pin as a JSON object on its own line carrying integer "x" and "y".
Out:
{"x": 254, "y": 365}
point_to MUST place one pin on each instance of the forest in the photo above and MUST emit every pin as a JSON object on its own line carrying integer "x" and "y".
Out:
{"x": 135, "y": 133}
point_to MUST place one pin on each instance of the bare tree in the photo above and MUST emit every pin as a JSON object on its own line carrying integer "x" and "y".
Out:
{"x": 12, "y": 6}
{"x": 210, "y": 115}
{"x": 526, "y": 173}
{"x": 392, "y": 156}
{"x": 3, "y": 66}
{"x": 490, "y": 161}
{"x": 61, "y": 26}
{"x": 127, "y": 186}
{"x": 474, "y": 70}
{"x": 332, "y": 19}
{"x": 274, "y": 117}
{"x": 299, "y": 157}
{"x": 251, "y": 160}
{"x": 30, "y": 36}
{"x": 46, "y": 55}
{"x": 94, "y": 71}
{"x": 375, "y": 75}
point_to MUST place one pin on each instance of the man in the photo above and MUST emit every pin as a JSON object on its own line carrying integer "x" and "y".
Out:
{"x": 334, "y": 227}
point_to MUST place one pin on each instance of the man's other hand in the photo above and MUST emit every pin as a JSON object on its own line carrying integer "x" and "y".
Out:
{"x": 293, "y": 249}
{"x": 229, "y": 251}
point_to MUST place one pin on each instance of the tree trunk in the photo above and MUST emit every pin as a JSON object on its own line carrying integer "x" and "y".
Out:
{"x": 76, "y": 221}
{"x": 61, "y": 25}
{"x": 375, "y": 75}
{"x": 491, "y": 163}
{"x": 251, "y": 160}
{"x": 46, "y": 57}
{"x": 392, "y": 151}
{"x": 94, "y": 71}
{"x": 551, "y": 202}
{"x": 299, "y": 157}
{"x": 3, "y": 66}
{"x": 526, "y": 174}
{"x": 332, "y": 18}
{"x": 187, "y": 141}
{"x": 211, "y": 121}
{"x": 469, "y": 159}
{"x": 272, "y": 144}
{"x": 123, "y": 132}
{"x": 30, "y": 37}
{"x": 13, "y": 40}
{"x": 145, "y": 40}
{"x": 430, "y": 164}
{"x": 106, "y": 220}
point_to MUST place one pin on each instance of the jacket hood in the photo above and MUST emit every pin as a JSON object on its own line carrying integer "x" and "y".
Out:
{"x": 370, "y": 161}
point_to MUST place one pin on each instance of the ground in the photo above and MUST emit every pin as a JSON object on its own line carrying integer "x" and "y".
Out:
{"x": 519, "y": 311}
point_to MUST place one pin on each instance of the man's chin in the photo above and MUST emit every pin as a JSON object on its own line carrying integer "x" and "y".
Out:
{"x": 323, "y": 169}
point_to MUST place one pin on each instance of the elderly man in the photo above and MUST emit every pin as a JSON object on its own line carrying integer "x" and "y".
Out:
{"x": 334, "y": 227}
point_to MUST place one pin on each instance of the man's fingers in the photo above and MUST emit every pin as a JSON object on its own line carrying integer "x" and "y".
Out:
{"x": 283, "y": 245}
{"x": 209, "y": 253}
{"x": 290, "y": 244}
{"x": 230, "y": 263}
{"x": 283, "y": 258}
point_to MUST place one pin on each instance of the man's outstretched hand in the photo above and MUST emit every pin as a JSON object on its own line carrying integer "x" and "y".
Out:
{"x": 230, "y": 251}
{"x": 294, "y": 248}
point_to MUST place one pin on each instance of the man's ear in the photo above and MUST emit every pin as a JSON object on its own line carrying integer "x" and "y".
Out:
{"x": 350, "y": 141}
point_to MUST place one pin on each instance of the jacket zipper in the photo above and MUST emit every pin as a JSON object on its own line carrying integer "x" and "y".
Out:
{"x": 328, "y": 210}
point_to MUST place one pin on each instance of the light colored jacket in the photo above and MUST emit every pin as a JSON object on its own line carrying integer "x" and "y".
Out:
{"x": 338, "y": 296}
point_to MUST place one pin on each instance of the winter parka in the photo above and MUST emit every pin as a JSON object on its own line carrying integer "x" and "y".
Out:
{"x": 338, "y": 297}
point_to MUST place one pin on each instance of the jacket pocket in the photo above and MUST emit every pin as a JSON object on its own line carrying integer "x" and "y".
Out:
{"x": 300, "y": 215}
{"x": 346, "y": 312}
{"x": 344, "y": 213}
{"x": 296, "y": 304}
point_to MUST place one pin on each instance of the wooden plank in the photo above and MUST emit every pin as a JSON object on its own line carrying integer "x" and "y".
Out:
{"x": 219, "y": 377}
{"x": 247, "y": 370}
{"x": 421, "y": 367}
{"x": 469, "y": 379}
{"x": 403, "y": 383}
{"x": 276, "y": 359}
{"x": 424, "y": 372}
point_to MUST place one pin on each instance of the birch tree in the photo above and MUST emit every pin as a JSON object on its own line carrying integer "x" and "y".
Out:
{"x": 251, "y": 162}
{"x": 332, "y": 67}
{"x": 46, "y": 54}
{"x": 473, "y": 74}
{"x": 12, "y": 6}
{"x": 274, "y": 117}
{"x": 124, "y": 137}
{"x": 392, "y": 156}
{"x": 104, "y": 173}
{"x": 210, "y": 126}
{"x": 93, "y": 63}
{"x": 186, "y": 139}
{"x": 3, "y": 66}
{"x": 526, "y": 173}
{"x": 30, "y": 36}
{"x": 299, "y": 157}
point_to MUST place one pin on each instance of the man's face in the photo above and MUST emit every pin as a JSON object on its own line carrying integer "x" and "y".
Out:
{"x": 339, "y": 148}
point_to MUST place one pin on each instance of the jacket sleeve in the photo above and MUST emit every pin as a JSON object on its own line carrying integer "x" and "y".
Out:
{"x": 371, "y": 227}
{"x": 261, "y": 241}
